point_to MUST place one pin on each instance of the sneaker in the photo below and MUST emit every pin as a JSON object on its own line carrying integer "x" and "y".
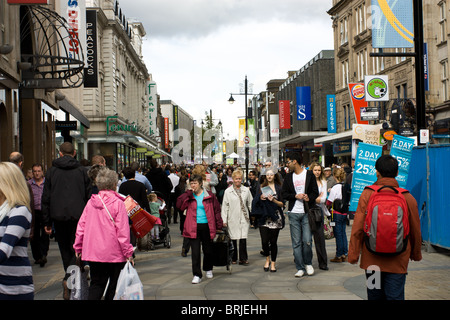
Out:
{"x": 209, "y": 274}
{"x": 309, "y": 270}
{"x": 196, "y": 280}
{"x": 299, "y": 273}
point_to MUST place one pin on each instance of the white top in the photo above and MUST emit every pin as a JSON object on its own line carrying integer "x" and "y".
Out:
{"x": 299, "y": 185}
{"x": 323, "y": 197}
{"x": 335, "y": 192}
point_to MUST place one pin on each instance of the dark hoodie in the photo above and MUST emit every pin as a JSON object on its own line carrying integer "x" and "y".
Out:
{"x": 67, "y": 189}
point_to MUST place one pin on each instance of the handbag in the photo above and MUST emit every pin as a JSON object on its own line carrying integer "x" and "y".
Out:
{"x": 314, "y": 216}
{"x": 327, "y": 228}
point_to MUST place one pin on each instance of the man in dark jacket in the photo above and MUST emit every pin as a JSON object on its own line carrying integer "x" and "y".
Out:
{"x": 67, "y": 189}
{"x": 300, "y": 188}
{"x": 159, "y": 180}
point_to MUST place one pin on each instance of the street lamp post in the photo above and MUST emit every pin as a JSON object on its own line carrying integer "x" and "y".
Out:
{"x": 231, "y": 100}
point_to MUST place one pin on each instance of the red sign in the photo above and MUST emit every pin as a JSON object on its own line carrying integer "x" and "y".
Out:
{"x": 357, "y": 94}
{"x": 284, "y": 109}
{"x": 166, "y": 132}
{"x": 27, "y": 1}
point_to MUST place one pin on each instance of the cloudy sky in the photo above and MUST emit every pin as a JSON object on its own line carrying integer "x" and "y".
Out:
{"x": 199, "y": 51}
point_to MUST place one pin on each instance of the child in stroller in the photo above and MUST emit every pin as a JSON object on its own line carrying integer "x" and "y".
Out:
{"x": 155, "y": 208}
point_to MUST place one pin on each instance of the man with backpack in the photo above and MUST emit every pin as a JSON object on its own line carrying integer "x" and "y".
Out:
{"x": 386, "y": 232}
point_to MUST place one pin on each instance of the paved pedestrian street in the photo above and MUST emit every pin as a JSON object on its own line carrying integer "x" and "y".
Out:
{"x": 166, "y": 275}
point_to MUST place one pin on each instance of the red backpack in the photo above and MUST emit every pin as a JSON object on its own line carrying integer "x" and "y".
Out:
{"x": 386, "y": 225}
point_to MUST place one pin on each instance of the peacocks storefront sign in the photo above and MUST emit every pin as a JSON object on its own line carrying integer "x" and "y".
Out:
{"x": 112, "y": 126}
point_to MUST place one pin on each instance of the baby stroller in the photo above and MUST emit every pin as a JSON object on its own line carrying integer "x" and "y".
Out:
{"x": 223, "y": 249}
{"x": 147, "y": 243}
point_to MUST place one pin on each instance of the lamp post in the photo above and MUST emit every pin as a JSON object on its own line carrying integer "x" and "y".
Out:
{"x": 231, "y": 101}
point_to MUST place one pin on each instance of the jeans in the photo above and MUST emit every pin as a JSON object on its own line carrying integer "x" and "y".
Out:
{"x": 301, "y": 238}
{"x": 385, "y": 285}
{"x": 340, "y": 234}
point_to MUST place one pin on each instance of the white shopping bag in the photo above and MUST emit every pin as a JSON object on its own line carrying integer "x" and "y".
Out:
{"x": 129, "y": 286}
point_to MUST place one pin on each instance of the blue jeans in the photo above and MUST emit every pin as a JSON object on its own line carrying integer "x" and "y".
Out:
{"x": 340, "y": 234}
{"x": 301, "y": 237}
{"x": 391, "y": 286}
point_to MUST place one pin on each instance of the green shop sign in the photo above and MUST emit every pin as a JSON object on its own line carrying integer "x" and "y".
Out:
{"x": 115, "y": 127}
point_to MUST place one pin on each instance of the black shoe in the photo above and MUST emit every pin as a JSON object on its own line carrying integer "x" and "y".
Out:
{"x": 43, "y": 261}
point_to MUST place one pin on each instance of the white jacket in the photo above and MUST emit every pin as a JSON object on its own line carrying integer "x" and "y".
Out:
{"x": 232, "y": 214}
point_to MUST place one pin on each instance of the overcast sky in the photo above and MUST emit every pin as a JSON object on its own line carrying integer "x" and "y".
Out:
{"x": 199, "y": 51}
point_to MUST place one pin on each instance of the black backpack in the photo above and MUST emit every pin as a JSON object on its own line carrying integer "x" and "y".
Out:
{"x": 341, "y": 205}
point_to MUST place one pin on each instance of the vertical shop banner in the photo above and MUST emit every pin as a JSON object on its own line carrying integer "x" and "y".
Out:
{"x": 401, "y": 149}
{"x": 357, "y": 93}
{"x": 425, "y": 66}
{"x": 166, "y": 133}
{"x": 251, "y": 132}
{"x": 331, "y": 113}
{"x": 274, "y": 125}
{"x": 284, "y": 111}
{"x": 242, "y": 133}
{"x": 392, "y": 24}
{"x": 152, "y": 107}
{"x": 75, "y": 14}
{"x": 91, "y": 69}
{"x": 175, "y": 123}
{"x": 364, "y": 173}
{"x": 303, "y": 103}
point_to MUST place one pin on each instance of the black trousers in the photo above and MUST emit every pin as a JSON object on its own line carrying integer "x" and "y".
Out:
{"x": 65, "y": 232}
{"x": 319, "y": 242}
{"x": 101, "y": 272}
{"x": 204, "y": 240}
{"x": 41, "y": 240}
{"x": 243, "y": 256}
{"x": 269, "y": 238}
{"x": 172, "y": 203}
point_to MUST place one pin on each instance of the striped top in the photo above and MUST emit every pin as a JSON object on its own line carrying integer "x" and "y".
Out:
{"x": 15, "y": 269}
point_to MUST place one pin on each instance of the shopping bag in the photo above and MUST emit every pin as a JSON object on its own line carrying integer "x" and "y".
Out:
{"x": 327, "y": 228}
{"x": 78, "y": 282}
{"x": 129, "y": 286}
{"x": 142, "y": 221}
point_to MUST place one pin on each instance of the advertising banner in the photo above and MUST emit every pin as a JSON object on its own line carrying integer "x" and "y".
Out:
{"x": 364, "y": 173}
{"x": 303, "y": 103}
{"x": 75, "y": 14}
{"x": 25, "y": 2}
{"x": 284, "y": 111}
{"x": 357, "y": 95}
{"x": 331, "y": 113}
{"x": 401, "y": 149}
{"x": 251, "y": 133}
{"x": 392, "y": 24}
{"x": 242, "y": 132}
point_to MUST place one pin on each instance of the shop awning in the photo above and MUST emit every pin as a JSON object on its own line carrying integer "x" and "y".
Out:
{"x": 331, "y": 137}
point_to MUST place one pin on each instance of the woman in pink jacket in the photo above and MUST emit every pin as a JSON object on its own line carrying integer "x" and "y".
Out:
{"x": 103, "y": 236}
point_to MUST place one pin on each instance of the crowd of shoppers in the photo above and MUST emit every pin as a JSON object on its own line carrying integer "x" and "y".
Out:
{"x": 83, "y": 207}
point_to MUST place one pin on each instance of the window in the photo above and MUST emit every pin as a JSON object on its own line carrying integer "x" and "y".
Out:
{"x": 442, "y": 22}
{"x": 400, "y": 59}
{"x": 347, "y": 119}
{"x": 444, "y": 79}
{"x": 344, "y": 31}
{"x": 344, "y": 70}
{"x": 362, "y": 63}
{"x": 360, "y": 16}
{"x": 378, "y": 62}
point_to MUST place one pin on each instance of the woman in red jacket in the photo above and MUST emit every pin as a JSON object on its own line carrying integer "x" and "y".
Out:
{"x": 202, "y": 220}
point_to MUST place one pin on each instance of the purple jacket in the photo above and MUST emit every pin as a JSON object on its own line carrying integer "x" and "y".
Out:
{"x": 213, "y": 213}
{"x": 97, "y": 238}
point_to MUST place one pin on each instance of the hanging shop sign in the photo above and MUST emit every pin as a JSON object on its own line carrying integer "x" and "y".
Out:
{"x": 303, "y": 103}
{"x": 331, "y": 113}
{"x": 91, "y": 68}
{"x": 284, "y": 110}
{"x": 152, "y": 107}
{"x": 166, "y": 132}
{"x": 401, "y": 150}
{"x": 358, "y": 101}
{"x": 376, "y": 88}
{"x": 75, "y": 14}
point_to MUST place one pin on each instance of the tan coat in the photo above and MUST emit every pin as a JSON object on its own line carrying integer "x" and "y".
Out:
{"x": 395, "y": 264}
{"x": 232, "y": 214}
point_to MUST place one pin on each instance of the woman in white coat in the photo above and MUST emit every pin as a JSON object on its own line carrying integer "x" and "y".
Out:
{"x": 236, "y": 206}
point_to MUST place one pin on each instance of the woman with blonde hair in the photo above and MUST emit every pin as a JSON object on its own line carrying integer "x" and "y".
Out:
{"x": 236, "y": 206}
{"x": 318, "y": 233}
{"x": 338, "y": 216}
{"x": 16, "y": 279}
